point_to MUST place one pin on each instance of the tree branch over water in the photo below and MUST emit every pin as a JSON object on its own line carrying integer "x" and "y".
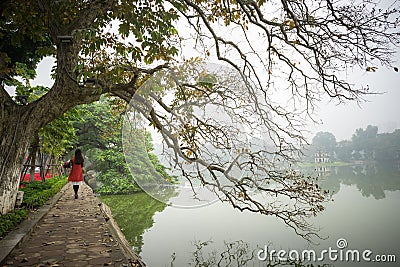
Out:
{"x": 235, "y": 130}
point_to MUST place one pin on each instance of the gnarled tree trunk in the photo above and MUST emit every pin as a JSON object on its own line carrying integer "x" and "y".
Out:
{"x": 15, "y": 133}
{"x": 18, "y": 123}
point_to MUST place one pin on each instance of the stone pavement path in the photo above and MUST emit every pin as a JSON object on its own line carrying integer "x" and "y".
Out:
{"x": 73, "y": 233}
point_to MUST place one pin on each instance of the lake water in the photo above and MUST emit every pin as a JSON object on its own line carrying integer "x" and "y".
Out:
{"x": 365, "y": 213}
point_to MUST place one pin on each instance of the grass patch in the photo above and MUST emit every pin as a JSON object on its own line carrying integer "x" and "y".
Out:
{"x": 11, "y": 219}
{"x": 35, "y": 195}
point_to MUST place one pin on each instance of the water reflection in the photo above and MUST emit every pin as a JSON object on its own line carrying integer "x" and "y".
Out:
{"x": 158, "y": 231}
{"x": 134, "y": 215}
{"x": 371, "y": 180}
{"x": 235, "y": 254}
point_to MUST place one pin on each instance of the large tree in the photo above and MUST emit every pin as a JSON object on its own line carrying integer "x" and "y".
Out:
{"x": 299, "y": 48}
{"x": 324, "y": 142}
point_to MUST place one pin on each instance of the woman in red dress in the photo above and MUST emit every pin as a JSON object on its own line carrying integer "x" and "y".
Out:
{"x": 76, "y": 176}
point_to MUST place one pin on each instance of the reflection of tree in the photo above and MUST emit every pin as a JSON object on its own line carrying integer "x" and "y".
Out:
{"x": 372, "y": 179}
{"x": 134, "y": 214}
{"x": 236, "y": 253}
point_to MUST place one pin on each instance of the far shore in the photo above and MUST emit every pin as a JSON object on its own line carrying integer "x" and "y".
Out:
{"x": 333, "y": 164}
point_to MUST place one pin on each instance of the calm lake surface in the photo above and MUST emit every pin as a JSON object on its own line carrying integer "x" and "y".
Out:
{"x": 365, "y": 212}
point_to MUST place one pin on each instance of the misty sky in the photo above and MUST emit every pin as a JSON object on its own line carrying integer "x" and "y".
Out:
{"x": 382, "y": 110}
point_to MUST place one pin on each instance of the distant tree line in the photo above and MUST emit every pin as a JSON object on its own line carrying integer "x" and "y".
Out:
{"x": 365, "y": 145}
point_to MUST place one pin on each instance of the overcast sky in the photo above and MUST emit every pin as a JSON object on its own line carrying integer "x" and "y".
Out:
{"x": 382, "y": 110}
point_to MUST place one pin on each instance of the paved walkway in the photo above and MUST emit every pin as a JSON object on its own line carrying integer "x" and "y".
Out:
{"x": 75, "y": 232}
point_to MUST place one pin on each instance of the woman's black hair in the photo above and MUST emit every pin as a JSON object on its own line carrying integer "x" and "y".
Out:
{"x": 78, "y": 157}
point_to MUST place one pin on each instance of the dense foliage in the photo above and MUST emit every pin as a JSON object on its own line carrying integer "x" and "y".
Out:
{"x": 99, "y": 134}
{"x": 37, "y": 193}
{"x": 366, "y": 145}
{"x": 11, "y": 219}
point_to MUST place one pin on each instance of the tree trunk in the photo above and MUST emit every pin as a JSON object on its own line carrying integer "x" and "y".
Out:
{"x": 15, "y": 133}
{"x": 19, "y": 123}
{"x": 33, "y": 151}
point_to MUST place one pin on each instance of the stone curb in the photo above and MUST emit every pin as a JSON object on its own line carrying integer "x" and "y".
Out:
{"x": 124, "y": 244}
{"x": 23, "y": 231}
